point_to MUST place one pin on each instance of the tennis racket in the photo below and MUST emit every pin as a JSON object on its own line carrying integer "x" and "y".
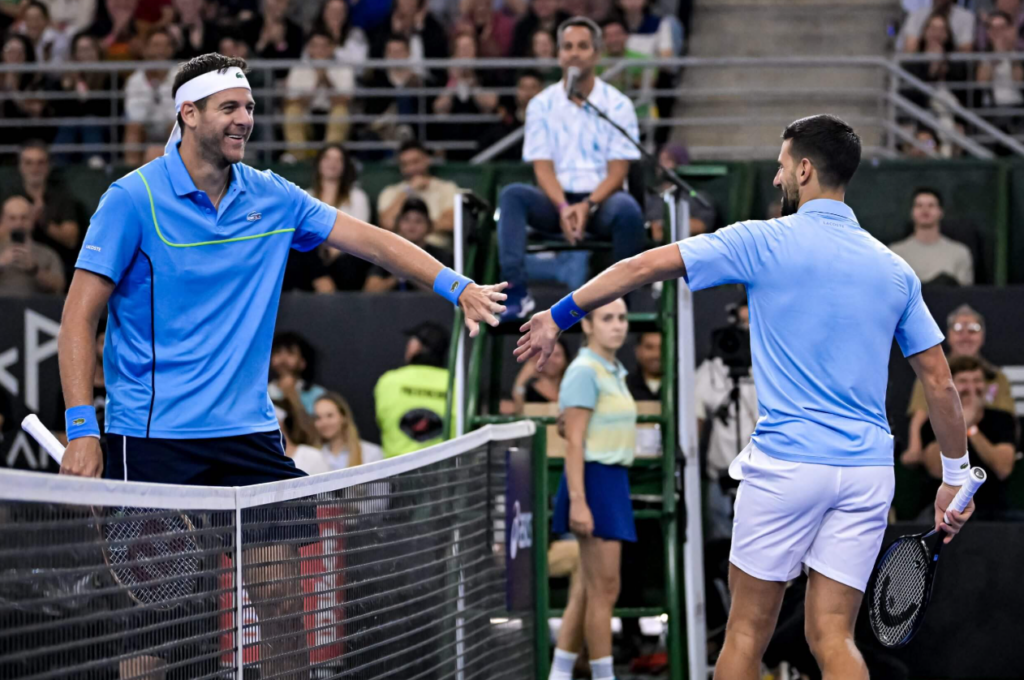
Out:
{"x": 153, "y": 554}
{"x": 901, "y": 586}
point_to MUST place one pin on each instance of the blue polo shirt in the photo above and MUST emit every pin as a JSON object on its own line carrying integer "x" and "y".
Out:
{"x": 826, "y": 299}
{"x": 192, "y": 314}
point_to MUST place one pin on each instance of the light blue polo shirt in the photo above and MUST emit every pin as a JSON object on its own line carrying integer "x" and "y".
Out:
{"x": 826, "y": 299}
{"x": 192, "y": 315}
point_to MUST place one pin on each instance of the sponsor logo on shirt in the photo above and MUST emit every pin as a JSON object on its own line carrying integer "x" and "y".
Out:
{"x": 253, "y": 216}
{"x": 96, "y": 248}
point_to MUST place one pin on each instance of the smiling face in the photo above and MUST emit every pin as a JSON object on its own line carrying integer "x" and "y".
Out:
{"x": 966, "y": 335}
{"x": 328, "y": 419}
{"x": 223, "y": 125}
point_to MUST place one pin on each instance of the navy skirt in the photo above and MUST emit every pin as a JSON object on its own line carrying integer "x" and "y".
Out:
{"x": 607, "y": 490}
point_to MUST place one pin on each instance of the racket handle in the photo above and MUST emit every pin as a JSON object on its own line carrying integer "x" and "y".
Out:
{"x": 35, "y": 427}
{"x": 975, "y": 479}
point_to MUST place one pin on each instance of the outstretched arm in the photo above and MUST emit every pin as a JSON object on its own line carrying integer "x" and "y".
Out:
{"x": 541, "y": 332}
{"x": 408, "y": 261}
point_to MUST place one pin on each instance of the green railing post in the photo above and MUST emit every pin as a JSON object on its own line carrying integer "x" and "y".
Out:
{"x": 453, "y": 356}
{"x": 540, "y": 551}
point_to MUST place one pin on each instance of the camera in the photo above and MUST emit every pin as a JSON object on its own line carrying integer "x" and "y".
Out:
{"x": 731, "y": 344}
{"x": 18, "y": 237}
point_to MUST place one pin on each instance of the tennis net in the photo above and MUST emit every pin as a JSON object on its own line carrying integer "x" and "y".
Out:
{"x": 399, "y": 569}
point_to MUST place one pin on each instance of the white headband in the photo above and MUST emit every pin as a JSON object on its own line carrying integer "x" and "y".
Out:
{"x": 202, "y": 87}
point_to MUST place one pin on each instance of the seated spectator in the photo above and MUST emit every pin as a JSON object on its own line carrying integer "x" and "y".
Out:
{"x": 513, "y": 116}
{"x": 649, "y": 33}
{"x": 543, "y": 15}
{"x": 232, "y": 14}
{"x": 1011, "y": 8}
{"x": 56, "y": 216}
{"x": 148, "y": 102}
{"x": 438, "y": 194}
{"x": 965, "y": 336}
{"x": 17, "y": 49}
{"x": 463, "y": 96}
{"x": 300, "y": 443}
{"x": 645, "y": 382}
{"x": 427, "y": 38}
{"x": 580, "y": 181}
{"x": 934, "y": 257}
{"x": 702, "y": 217}
{"x": 119, "y": 34}
{"x": 1005, "y": 75}
{"x": 71, "y": 16}
{"x": 271, "y": 35}
{"x": 991, "y": 440}
{"x": 413, "y": 225}
{"x": 193, "y": 34}
{"x": 386, "y": 106}
{"x": 410, "y": 401}
{"x": 334, "y": 183}
{"x": 960, "y": 23}
{"x": 493, "y": 29}
{"x": 351, "y": 44}
{"x": 92, "y": 100}
{"x": 543, "y": 46}
{"x": 292, "y": 368}
{"x": 26, "y": 267}
{"x": 306, "y": 272}
{"x": 51, "y": 45}
{"x": 540, "y": 387}
{"x": 927, "y": 138}
{"x": 937, "y": 39}
{"x": 631, "y": 77}
{"x": 320, "y": 91}
{"x": 342, "y": 447}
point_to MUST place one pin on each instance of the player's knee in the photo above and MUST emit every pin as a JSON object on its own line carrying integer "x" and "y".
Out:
{"x": 826, "y": 636}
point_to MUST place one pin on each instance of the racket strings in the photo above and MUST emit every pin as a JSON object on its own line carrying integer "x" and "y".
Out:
{"x": 897, "y": 600}
{"x": 153, "y": 554}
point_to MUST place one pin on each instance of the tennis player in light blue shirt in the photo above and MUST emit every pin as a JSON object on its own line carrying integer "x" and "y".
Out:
{"x": 826, "y": 301}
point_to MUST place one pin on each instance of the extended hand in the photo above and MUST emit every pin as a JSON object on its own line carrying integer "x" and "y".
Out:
{"x": 83, "y": 458}
{"x": 943, "y": 497}
{"x": 540, "y": 334}
{"x": 482, "y": 303}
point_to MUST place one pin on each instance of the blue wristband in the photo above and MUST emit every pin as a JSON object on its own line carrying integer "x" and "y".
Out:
{"x": 449, "y": 284}
{"x": 566, "y": 313}
{"x": 80, "y": 421}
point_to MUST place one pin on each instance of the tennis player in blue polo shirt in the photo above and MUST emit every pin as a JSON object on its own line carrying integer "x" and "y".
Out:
{"x": 188, "y": 253}
{"x": 826, "y": 300}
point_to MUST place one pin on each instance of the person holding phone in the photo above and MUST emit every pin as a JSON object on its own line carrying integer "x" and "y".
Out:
{"x": 26, "y": 267}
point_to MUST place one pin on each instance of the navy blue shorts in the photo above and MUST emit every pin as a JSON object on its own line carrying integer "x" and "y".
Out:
{"x": 221, "y": 461}
{"x": 607, "y": 490}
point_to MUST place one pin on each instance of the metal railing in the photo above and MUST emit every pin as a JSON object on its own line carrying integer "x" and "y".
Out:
{"x": 955, "y": 111}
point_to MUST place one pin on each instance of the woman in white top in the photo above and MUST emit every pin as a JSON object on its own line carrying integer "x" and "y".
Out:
{"x": 334, "y": 183}
{"x": 307, "y": 458}
{"x": 342, "y": 447}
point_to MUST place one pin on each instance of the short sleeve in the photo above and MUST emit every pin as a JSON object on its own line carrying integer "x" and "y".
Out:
{"x": 578, "y": 388}
{"x": 730, "y": 255}
{"x": 917, "y": 330}
{"x": 114, "y": 236}
{"x": 536, "y": 139}
{"x": 314, "y": 219}
{"x": 624, "y": 115}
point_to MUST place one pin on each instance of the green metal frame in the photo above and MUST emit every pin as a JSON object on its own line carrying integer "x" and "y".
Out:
{"x": 491, "y": 339}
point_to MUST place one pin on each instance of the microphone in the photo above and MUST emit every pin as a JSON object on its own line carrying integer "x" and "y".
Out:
{"x": 572, "y": 75}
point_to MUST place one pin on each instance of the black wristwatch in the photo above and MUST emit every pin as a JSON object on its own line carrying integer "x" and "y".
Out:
{"x": 591, "y": 206}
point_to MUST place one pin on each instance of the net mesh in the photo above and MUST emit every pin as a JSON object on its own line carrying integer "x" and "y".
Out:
{"x": 900, "y": 588}
{"x": 395, "y": 575}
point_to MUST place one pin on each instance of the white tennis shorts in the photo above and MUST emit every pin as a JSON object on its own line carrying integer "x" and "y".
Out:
{"x": 789, "y": 515}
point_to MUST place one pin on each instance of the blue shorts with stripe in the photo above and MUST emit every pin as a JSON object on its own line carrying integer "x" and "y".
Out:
{"x": 241, "y": 460}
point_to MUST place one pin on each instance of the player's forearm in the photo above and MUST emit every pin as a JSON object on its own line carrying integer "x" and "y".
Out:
{"x": 627, "y": 275}
{"x": 574, "y": 469}
{"x": 947, "y": 417}
{"x": 385, "y": 249}
{"x": 76, "y": 352}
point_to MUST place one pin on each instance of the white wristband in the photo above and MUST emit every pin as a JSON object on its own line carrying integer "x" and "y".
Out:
{"x": 955, "y": 470}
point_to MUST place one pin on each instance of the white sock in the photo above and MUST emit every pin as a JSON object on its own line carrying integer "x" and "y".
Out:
{"x": 562, "y": 665}
{"x": 601, "y": 669}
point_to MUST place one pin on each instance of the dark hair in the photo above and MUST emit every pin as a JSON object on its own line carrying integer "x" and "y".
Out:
{"x": 292, "y": 340}
{"x": 926, "y": 190}
{"x": 320, "y": 34}
{"x": 197, "y": 66}
{"x": 27, "y": 79}
{"x": 33, "y": 144}
{"x": 40, "y": 6}
{"x": 529, "y": 73}
{"x": 164, "y": 32}
{"x": 320, "y": 26}
{"x": 414, "y": 204}
{"x": 86, "y": 34}
{"x": 412, "y": 144}
{"x": 397, "y": 37}
{"x": 963, "y": 364}
{"x": 589, "y": 24}
{"x": 348, "y": 174}
{"x": 950, "y": 44}
{"x": 829, "y": 144}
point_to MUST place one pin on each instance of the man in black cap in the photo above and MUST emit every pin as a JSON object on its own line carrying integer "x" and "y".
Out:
{"x": 410, "y": 401}
{"x": 414, "y": 225}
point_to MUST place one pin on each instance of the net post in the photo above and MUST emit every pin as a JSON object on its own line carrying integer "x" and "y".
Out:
{"x": 239, "y": 647}
{"x": 539, "y": 456}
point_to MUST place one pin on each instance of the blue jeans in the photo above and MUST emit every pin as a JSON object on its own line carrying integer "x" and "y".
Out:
{"x": 569, "y": 267}
{"x": 619, "y": 219}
